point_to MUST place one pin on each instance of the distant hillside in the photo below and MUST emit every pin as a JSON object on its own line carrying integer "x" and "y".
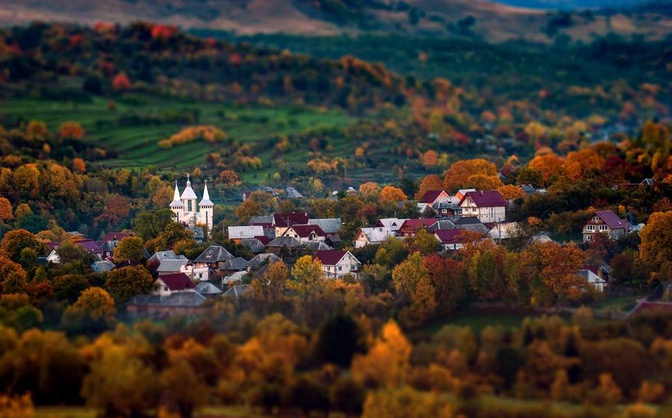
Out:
{"x": 570, "y": 4}
{"x": 464, "y": 18}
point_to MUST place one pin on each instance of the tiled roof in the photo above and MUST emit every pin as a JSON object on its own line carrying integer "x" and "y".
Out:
{"x": 329, "y": 257}
{"x": 448, "y": 236}
{"x": 289, "y": 219}
{"x": 288, "y": 242}
{"x": 253, "y": 244}
{"x": 262, "y": 258}
{"x": 611, "y": 219}
{"x": 238, "y": 263}
{"x": 328, "y": 225}
{"x": 90, "y": 246}
{"x": 393, "y": 224}
{"x": 266, "y": 220}
{"x": 430, "y": 196}
{"x": 418, "y": 224}
{"x": 177, "y": 281}
{"x": 484, "y": 199}
{"x": 171, "y": 265}
{"x": 205, "y": 288}
{"x": 213, "y": 254}
{"x": 316, "y": 246}
{"x": 237, "y": 290}
{"x": 304, "y": 231}
{"x": 115, "y": 236}
{"x": 377, "y": 234}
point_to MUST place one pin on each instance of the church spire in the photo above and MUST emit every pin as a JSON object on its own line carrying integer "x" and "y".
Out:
{"x": 206, "y": 197}
{"x": 188, "y": 193}
{"x": 177, "y": 203}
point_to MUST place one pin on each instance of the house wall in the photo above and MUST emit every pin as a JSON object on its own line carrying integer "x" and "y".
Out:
{"x": 347, "y": 265}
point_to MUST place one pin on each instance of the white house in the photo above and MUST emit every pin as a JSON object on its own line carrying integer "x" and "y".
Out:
{"x": 337, "y": 263}
{"x": 372, "y": 236}
{"x": 593, "y": 279}
{"x": 487, "y": 206}
{"x": 305, "y": 233}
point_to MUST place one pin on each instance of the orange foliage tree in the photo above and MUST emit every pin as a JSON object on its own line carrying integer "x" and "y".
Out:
{"x": 549, "y": 165}
{"x": 431, "y": 182}
{"x": 509, "y": 192}
{"x": 458, "y": 174}
{"x": 71, "y": 130}
{"x": 391, "y": 194}
{"x": 207, "y": 133}
{"x": 121, "y": 82}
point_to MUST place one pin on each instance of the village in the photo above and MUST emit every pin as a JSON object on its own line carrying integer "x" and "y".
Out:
{"x": 183, "y": 285}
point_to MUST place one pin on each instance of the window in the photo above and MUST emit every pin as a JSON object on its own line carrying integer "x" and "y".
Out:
{"x": 596, "y": 219}
{"x": 604, "y": 228}
{"x": 340, "y": 268}
{"x": 590, "y": 227}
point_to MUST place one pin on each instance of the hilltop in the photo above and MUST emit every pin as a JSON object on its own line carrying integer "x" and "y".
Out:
{"x": 481, "y": 18}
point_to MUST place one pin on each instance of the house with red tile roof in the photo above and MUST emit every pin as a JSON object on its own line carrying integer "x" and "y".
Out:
{"x": 605, "y": 222}
{"x": 431, "y": 197}
{"x": 305, "y": 233}
{"x": 410, "y": 227}
{"x": 171, "y": 283}
{"x": 487, "y": 206}
{"x": 450, "y": 239}
{"x": 282, "y": 221}
{"x": 337, "y": 263}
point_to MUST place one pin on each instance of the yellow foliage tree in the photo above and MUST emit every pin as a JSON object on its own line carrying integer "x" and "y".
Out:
{"x": 386, "y": 363}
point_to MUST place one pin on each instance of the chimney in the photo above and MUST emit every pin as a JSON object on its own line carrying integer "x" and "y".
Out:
{"x": 481, "y": 192}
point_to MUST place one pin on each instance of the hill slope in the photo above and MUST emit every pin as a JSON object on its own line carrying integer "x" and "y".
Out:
{"x": 478, "y": 18}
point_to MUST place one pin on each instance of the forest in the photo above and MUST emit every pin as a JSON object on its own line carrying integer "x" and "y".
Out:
{"x": 97, "y": 124}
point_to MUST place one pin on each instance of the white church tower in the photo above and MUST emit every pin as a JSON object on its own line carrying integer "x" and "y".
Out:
{"x": 185, "y": 210}
{"x": 206, "y": 209}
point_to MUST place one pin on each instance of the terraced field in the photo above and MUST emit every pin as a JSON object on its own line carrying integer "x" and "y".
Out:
{"x": 136, "y": 144}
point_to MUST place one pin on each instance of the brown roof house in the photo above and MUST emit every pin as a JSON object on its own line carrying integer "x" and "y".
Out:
{"x": 487, "y": 206}
{"x": 170, "y": 283}
{"x": 605, "y": 222}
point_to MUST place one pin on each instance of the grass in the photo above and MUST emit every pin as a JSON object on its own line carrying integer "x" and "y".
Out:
{"x": 65, "y": 412}
{"x": 619, "y": 303}
{"x": 136, "y": 146}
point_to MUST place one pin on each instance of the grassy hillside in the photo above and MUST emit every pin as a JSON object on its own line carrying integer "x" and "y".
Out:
{"x": 482, "y": 18}
{"x": 135, "y": 145}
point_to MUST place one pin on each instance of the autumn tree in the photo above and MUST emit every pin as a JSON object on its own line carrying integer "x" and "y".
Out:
{"x": 120, "y": 383}
{"x": 550, "y": 271}
{"x": 656, "y": 246}
{"x": 71, "y": 130}
{"x": 306, "y": 274}
{"x": 129, "y": 248}
{"x": 12, "y": 276}
{"x": 549, "y": 165}
{"x": 391, "y": 194}
{"x": 411, "y": 280}
{"x": 511, "y": 192}
{"x": 580, "y": 164}
{"x": 5, "y": 210}
{"x": 430, "y": 159}
{"x": 459, "y": 174}
{"x": 19, "y": 239}
{"x": 271, "y": 286}
{"x": 246, "y": 210}
{"x": 369, "y": 190}
{"x": 431, "y": 182}
{"x": 406, "y": 402}
{"x": 94, "y": 309}
{"x": 386, "y": 363}
{"x": 127, "y": 282}
{"x": 121, "y": 82}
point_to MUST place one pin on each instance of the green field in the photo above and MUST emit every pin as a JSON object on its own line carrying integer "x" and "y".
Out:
{"x": 137, "y": 145}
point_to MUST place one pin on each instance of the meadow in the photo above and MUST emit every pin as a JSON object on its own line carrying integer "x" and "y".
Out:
{"x": 132, "y": 130}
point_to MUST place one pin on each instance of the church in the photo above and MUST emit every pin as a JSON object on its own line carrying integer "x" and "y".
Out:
{"x": 185, "y": 209}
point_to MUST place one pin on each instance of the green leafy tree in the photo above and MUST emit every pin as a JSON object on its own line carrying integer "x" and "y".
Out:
{"x": 129, "y": 248}
{"x": 127, "y": 282}
{"x": 149, "y": 224}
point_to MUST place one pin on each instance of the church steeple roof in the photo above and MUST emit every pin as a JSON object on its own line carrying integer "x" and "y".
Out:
{"x": 188, "y": 193}
{"x": 206, "y": 197}
{"x": 176, "y": 203}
